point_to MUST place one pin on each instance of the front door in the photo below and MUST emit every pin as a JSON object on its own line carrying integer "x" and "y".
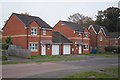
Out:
{"x": 80, "y": 49}
{"x": 43, "y": 50}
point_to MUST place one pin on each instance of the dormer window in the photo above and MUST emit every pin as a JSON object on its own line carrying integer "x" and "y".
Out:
{"x": 85, "y": 36}
{"x": 44, "y": 32}
{"x": 34, "y": 31}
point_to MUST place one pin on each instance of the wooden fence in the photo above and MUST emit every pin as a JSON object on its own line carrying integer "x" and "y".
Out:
{"x": 17, "y": 51}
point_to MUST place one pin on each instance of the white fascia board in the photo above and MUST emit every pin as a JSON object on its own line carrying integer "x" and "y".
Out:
{"x": 101, "y": 31}
{"x": 91, "y": 26}
{"x": 46, "y": 28}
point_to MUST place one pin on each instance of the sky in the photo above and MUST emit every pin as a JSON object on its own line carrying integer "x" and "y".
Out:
{"x": 52, "y": 12}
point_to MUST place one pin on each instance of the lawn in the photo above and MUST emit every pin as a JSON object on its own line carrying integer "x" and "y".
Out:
{"x": 93, "y": 74}
{"x": 55, "y": 58}
{"x": 13, "y": 62}
{"x": 90, "y": 74}
{"x": 105, "y": 54}
{"x": 40, "y": 59}
{"x": 112, "y": 70}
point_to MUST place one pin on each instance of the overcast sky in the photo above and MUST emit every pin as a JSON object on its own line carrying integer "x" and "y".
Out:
{"x": 52, "y": 12}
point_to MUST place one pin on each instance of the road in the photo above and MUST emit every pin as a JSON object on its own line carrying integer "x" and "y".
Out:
{"x": 58, "y": 69}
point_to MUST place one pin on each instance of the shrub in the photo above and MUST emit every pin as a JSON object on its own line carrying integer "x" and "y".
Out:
{"x": 113, "y": 49}
{"x": 8, "y": 40}
{"x": 5, "y": 46}
{"x": 4, "y": 57}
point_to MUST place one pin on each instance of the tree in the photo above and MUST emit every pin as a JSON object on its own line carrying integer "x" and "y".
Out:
{"x": 80, "y": 19}
{"x": 8, "y": 40}
{"x": 110, "y": 18}
{"x": 26, "y": 13}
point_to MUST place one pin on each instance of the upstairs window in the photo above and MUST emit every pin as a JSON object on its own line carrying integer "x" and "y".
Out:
{"x": 44, "y": 32}
{"x": 85, "y": 36}
{"x": 34, "y": 31}
{"x": 101, "y": 38}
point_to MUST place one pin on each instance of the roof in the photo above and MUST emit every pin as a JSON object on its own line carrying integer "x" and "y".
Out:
{"x": 73, "y": 26}
{"x": 27, "y": 19}
{"x": 114, "y": 34}
{"x": 98, "y": 27}
{"x": 59, "y": 38}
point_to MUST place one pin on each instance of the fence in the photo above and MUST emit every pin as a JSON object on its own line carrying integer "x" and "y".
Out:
{"x": 17, "y": 51}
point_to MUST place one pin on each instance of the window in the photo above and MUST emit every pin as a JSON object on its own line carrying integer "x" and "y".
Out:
{"x": 85, "y": 36}
{"x": 33, "y": 46}
{"x": 34, "y": 31}
{"x": 100, "y": 38}
{"x": 44, "y": 32}
{"x": 85, "y": 47}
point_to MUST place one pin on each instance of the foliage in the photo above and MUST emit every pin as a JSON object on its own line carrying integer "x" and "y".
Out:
{"x": 80, "y": 19}
{"x": 4, "y": 57}
{"x": 5, "y": 46}
{"x": 113, "y": 49}
{"x": 109, "y": 18}
{"x": 8, "y": 40}
{"x": 26, "y": 13}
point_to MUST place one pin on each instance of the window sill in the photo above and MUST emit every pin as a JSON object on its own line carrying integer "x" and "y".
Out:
{"x": 85, "y": 49}
{"x": 34, "y": 50}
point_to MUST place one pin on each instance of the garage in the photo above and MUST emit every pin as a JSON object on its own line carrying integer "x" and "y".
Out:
{"x": 66, "y": 49}
{"x": 55, "y": 49}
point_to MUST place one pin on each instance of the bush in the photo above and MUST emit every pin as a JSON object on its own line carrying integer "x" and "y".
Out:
{"x": 5, "y": 46}
{"x": 113, "y": 49}
{"x": 4, "y": 57}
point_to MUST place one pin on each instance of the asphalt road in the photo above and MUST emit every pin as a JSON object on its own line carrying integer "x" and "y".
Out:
{"x": 56, "y": 70}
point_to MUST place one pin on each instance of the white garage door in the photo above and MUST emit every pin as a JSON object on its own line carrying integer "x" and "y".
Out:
{"x": 55, "y": 49}
{"x": 66, "y": 49}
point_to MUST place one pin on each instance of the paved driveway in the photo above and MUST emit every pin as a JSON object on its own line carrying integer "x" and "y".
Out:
{"x": 56, "y": 70}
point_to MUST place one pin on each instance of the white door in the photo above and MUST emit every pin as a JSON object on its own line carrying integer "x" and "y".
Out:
{"x": 43, "y": 50}
{"x": 80, "y": 49}
{"x": 55, "y": 49}
{"x": 66, "y": 49}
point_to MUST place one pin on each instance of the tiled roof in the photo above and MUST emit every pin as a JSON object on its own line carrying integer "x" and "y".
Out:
{"x": 114, "y": 34}
{"x": 59, "y": 38}
{"x": 97, "y": 29}
{"x": 26, "y": 19}
{"x": 73, "y": 26}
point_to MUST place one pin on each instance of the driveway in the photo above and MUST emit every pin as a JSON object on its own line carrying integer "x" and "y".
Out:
{"x": 56, "y": 70}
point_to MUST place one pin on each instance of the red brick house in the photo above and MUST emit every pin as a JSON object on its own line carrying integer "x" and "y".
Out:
{"x": 61, "y": 45}
{"x": 99, "y": 37}
{"x": 75, "y": 33}
{"x": 115, "y": 39}
{"x": 29, "y": 32}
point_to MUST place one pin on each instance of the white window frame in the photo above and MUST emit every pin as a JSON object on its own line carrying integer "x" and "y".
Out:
{"x": 85, "y": 36}
{"x": 84, "y": 46}
{"x": 33, "y": 31}
{"x": 33, "y": 46}
{"x": 44, "y": 32}
{"x": 101, "y": 38}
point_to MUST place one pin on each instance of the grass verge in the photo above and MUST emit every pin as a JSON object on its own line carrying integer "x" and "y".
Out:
{"x": 106, "y": 54}
{"x": 112, "y": 70}
{"x": 55, "y": 58}
{"x": 8, "y": 62}
{"x": 90, "y": 74}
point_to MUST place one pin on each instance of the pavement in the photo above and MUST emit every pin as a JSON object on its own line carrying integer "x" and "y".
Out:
{"x": 58, "y": 69}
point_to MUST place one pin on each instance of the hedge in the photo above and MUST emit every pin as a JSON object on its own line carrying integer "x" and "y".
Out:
{"x": 113, "y": 49}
